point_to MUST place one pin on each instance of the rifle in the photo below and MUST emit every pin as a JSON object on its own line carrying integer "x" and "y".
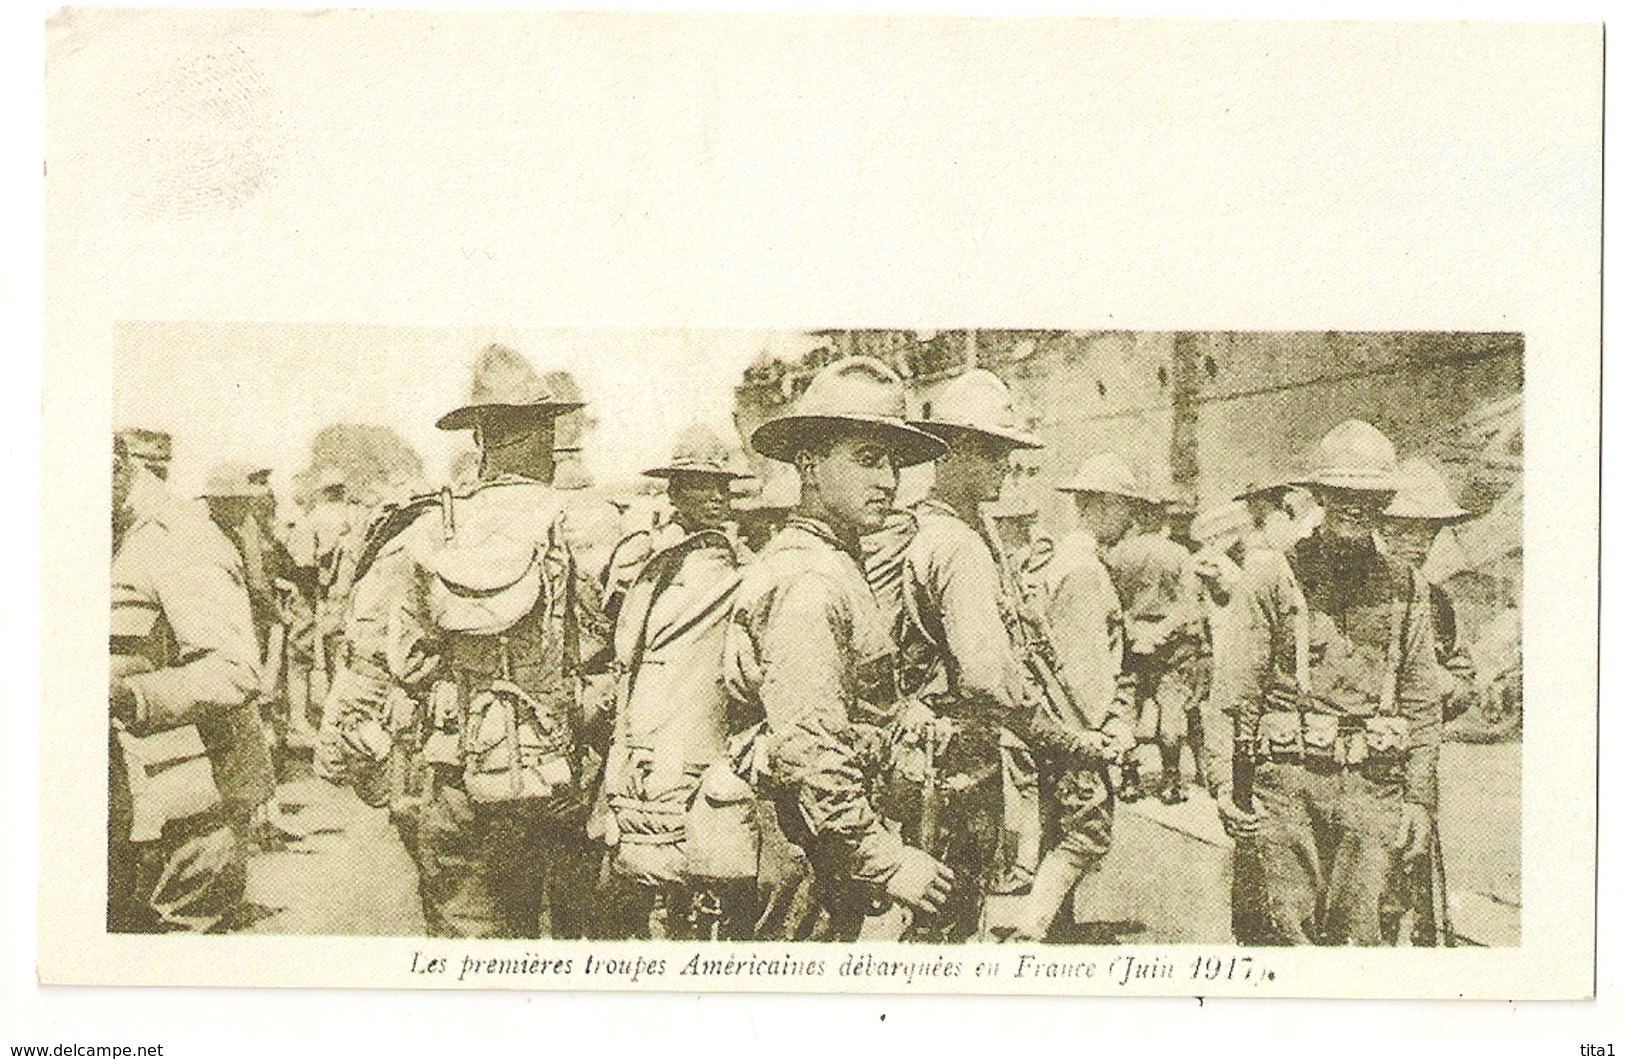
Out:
{"x": 1036, "y": 651}
{"x": 1241, "y": 777}
{"x": 930, "y": 795}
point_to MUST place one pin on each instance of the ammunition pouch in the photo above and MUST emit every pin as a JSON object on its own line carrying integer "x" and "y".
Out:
{"x": 1377, "y": 745}
{"x": 1280, "y": 737}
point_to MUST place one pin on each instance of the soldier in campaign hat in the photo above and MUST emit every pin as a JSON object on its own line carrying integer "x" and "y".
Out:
{"x": 470, "y": 632}
{"x": 1346, "y": 779}
{"x": 963, "y": 663}
{"x": 1168, "y": 654}
{"x": 699, "y": 477}
{"x": 1068, "y": 592}
{"x": 1422, "y": 508}
{"x": 181, "y": 695}
{"x": 807, "y": 653}
{"x": 667, "y": 783}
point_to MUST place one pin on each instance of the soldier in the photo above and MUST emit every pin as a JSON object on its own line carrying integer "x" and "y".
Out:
{"x": 1346, "y": 785}
{"x": 671, "y": 723}
{"x": 807, "y": 658}
{"x": 470, "y": 631}
{"x": 181, "y": 694}
{"x": 1260, "y": 654}
{"x": 1068, "y": 592}
{"x": 1168, "y": 651}
{"x": 1016, "y": 537}
{"x": 235, "y": 495}
{"x": 318, "y": 544}
{"x": 956, "y": 626}
{"x": 1421, "y": 509}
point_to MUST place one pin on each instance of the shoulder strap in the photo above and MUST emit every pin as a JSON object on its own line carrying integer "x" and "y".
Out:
{"x": 1397, "y": 626}
{"x": 390, "y": 522}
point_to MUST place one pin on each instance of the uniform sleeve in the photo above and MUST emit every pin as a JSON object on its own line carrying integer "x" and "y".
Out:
{"x": 1085, "y": 628}
{"x": 1287, "y": 615}
{"x": 813, "y": 749}
{"x": 1240, "y": 661}
{"x": 204, "y": 594}
{"x": 966, "y": 586}
{"x": 1419, "y": 691}
{"x": 389, "y": 633}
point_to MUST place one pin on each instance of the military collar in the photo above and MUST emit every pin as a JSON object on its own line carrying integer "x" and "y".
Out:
{"x": 821, "y": 530}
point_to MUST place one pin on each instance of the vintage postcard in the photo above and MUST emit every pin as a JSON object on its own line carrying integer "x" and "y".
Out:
{"x": 903, "y": 505}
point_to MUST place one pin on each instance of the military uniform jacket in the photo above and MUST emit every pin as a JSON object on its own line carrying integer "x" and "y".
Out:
{"x": 1260, "y": 640}
{"x": 950, "y": 595}
{"x": 1371, "y": 651}
{"x": 180, "y": 609}
{"x": 1069, "y": 591}
{"x": 807, "y": 651}
{"x": 478, "y": 587}
{"x": 671, "y": 717}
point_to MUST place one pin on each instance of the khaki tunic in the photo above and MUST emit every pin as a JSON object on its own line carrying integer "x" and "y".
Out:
{"x": 807, "y": 652}
{"x": 671, "y": 720}
{"x": 180, "y": 601}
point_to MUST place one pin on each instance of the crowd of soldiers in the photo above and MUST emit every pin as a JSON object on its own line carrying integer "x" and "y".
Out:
{"x": 812, "y": 716}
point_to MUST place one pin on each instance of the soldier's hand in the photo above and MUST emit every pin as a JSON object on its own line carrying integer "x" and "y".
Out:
{"x": 121, "y": 699}
{"x": 1092, "y": 747}
{"x": 1238, "y": 822}
{"x": 922, "y": 882}
{"x": 1415, "y": 832}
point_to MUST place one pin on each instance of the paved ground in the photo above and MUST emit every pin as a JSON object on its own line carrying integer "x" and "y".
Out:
{"x": 349, "y": 876}
{"x": 1166, "y": 880}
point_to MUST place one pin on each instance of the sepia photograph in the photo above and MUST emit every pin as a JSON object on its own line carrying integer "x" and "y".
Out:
{"x": 1018, "y": 635}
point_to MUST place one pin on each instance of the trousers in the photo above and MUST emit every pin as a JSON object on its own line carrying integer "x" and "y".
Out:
{"x": 1326, "y": 852}
{"x": 521, "y": 869}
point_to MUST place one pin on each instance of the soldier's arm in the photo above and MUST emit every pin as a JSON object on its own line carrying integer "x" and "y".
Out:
{"x": 1088, "y": 651}
{"x": 1420, "y": 690}
{"x": 812, "y": 747}
{"x": 967, "y": 589}
{"x": 204, "y": 594}
{"x": 388, "y": 636}
{"x": 1241, "y": 662}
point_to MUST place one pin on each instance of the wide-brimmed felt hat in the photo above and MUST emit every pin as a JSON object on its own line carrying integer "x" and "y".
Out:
{"x": 1354, "y": 456}
{"x": 237, "y": 480}
{"x": 504, "y": 380}
{"x": 149, "y": 446}
{"x": 1263, "y": 487}
{"x": 1106, "y": 473}
{"x": 977, "y": 402}
{"x": 1424, "y": 494}
{"x": 698, "y": 450}
{"x": 857, "y": 393}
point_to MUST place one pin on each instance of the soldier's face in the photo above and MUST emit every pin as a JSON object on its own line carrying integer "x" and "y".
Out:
{"x": 1409, "y": 540}
{"x": 856, "y": 481}
{"x": 1351, "y": 514}
{"x": 699, "y": 501}
{"x": 1105, "y": 515}
{"x": 974, "y": 466}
